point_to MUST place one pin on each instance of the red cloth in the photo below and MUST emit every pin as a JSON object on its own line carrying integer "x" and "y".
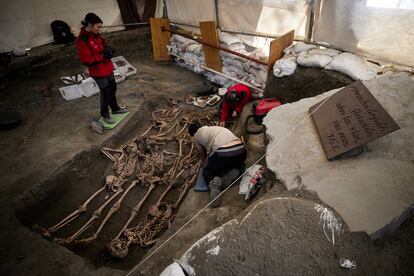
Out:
{"x": 238, "y": 107}
{"x": 90, "y": 47}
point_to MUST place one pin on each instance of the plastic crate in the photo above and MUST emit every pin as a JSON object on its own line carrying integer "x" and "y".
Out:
{"x": 124, "y": 66}
{"x": 129, "y": 70}
{"x": 89, "y": 87}
{"x": 71, "y": 92}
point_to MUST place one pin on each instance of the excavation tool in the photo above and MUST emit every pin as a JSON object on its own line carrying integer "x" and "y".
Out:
{"x": 259, "y": 111}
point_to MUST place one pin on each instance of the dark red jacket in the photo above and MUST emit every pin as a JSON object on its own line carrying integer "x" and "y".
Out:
{"x": 90, "y": 47}
{"x": 238, "y": 106}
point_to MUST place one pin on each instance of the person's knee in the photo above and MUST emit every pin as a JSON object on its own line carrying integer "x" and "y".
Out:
{"x": 102, "y": 83}
{"x": 112, "y": 85}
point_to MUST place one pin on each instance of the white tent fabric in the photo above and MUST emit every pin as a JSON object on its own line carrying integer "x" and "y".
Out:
{"x": 191, "y": 11}
{"x": 248, "y": 16}
{"x": 380, "y": 28}
{"x": 26, "y": 23}
{"x": 272, "y": 17}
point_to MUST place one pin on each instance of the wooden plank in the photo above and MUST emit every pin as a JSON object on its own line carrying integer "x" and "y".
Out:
{"x": 160, "y": 39}
{"x": 277, "y": 46}
{"x": 209, "y": 34}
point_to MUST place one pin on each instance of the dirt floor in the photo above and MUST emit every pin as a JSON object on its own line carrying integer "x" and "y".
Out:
{"x": 51, "y": 162}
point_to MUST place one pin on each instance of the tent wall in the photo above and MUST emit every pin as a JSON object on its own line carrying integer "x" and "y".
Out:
{"x": 26, "y": 23}
{"x": 273, "y": 17}
{"x": 245, "y": 16}
{"x": 379, "y": 28}
{"x": 191, "y": 11}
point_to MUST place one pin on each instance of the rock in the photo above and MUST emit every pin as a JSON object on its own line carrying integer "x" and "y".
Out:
{"x": 372, "y": 192}
{"x": 257, "y": 243}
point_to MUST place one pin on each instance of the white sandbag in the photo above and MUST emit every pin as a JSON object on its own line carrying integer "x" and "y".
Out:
{"x": 250, "y": 64}
{"x": 191, "y": 57}
{"x": 230, "y": 70}
{"x": 235, "y": 46}
{"x": 289, "y": 50}
{"x": 228, "y": 38}
{"x": 316, "y": 57}
{"x": 262, "y": 53}
{"x": 353, "y": 66}
{"x": 223, "y": 81}
{"x": 195, "y": 48}
{"x": 301, "y": 46}
{"x": 260, "y": 76}
{"x": 228, "y": 55}
{"x": 180, "y": 39}
{"x": 285, "y": 66}
{"x": 233, "y": 62}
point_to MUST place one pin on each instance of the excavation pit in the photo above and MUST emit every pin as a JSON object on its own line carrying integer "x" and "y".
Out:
{"x": 162, "y": 179}
{"x": 71, "y": 182}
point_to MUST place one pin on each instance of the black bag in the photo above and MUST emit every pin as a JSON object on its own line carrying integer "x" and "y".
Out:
{"x": 61, "y": 32}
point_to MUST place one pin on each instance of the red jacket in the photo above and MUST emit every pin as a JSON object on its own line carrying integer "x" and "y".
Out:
{"x": 238, "y": 106}
{"x": 90, "y": 47}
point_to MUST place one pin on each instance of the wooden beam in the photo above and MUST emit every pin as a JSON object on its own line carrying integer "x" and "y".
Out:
{"x": 211, "y": 55}
{"x": 277, "y": 46}
{"x": 160, "y": 39}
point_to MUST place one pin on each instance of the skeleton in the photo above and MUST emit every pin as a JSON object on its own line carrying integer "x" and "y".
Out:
{"x": 156, "y": 166}
{"x": 159, "y": 217}
{"x": 125, "y": 165}
{"x": 117, "y": 247}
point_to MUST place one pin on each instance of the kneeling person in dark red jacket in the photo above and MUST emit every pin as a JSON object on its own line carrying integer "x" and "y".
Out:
{"x": 234, "y": 100}
{"x": 96, "y": 55}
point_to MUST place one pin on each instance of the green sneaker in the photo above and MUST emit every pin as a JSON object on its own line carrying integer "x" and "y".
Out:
{"x": 109, "y": 120}
{"x": 120, "y": 111}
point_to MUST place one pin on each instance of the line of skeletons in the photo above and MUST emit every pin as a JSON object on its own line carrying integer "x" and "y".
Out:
{"x": 156, "y": 166}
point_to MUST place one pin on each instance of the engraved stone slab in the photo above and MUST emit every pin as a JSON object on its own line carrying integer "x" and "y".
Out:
{"x": 350, "y": 118}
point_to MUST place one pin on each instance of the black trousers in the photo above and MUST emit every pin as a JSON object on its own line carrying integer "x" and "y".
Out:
{"x": 223, "y": 160}
{"x": 107, "y": 85}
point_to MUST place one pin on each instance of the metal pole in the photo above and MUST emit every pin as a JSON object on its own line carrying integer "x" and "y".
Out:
{"x": 218, "y": 73}
{"x": 217, "y": 13}
{"x": 216, "y": 46}
{"x": 127, "y": 24}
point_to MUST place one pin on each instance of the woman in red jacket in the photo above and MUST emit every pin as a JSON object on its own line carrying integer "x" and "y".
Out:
{"x": 96, "y": 55}
{"x": 234, "y": 100}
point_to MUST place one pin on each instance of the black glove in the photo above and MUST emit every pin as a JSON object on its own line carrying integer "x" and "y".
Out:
{"x": 108, "y": 52}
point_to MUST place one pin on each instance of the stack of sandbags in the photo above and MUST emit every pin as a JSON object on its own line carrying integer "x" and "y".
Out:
{"x": 234, "y": 66}
{"x": 309, "y": 55}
